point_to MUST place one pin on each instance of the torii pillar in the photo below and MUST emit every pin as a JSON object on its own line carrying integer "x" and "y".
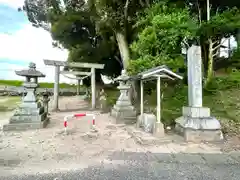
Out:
{"x": 93, "y": 85}
{"x": 56, "y": 89}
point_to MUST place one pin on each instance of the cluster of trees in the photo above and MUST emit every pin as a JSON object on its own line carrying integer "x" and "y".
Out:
{"x": 139, "y": 34}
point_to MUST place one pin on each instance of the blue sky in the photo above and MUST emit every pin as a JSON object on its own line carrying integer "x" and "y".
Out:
{"x": 11, "y": 20}
{"x": 21, "y": 43}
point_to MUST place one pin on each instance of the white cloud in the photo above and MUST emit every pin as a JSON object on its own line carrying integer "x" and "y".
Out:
{"x": 29, "y": 44}
{"x": 32, "y": 44}
{"x": 8, "y": 74}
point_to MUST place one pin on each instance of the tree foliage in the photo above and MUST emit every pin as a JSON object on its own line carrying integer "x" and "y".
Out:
{"x": 167, "y": 27}
{"x": 156, "y": 30}
{"x": 73, "y": 25}
{"x": 163, "y": 28}
{"x": 221, "y": 25}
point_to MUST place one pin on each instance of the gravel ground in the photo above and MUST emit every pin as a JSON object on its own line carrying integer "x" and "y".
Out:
{"x": 108, "y": 153}
{"x": 145, "y": 166}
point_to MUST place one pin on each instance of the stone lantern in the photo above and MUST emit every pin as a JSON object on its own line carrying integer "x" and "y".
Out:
{"x": 123, "y": 111}
{"x": 30, "y": 114}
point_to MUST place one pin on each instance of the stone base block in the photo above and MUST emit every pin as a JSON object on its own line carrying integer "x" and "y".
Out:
{"x": 199, "y": 129}
{"x": 158, "y": 130}
{"x": 25, "y": 126}
{"x": 124, "y": 117}
{"x": 148, "y": 123}
{"x": 123, "y": 108}
{"x": 140, "y": 120}
{"x": 146, "y": 119}
{"x": 55, "y": 110}
{"x": 27, "y": 118}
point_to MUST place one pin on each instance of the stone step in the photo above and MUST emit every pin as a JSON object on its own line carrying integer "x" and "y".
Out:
{"x": 144, "y": 138}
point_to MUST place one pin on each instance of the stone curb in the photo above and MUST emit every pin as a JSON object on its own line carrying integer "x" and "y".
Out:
{"x": 144, "y": 138}
{"x": 179, "y": 158}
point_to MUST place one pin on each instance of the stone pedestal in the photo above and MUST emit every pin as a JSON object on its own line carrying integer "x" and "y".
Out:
{"x": 30, "y": 114}
{"x": 197, "y": 125}
{"x": 123, "y": 111}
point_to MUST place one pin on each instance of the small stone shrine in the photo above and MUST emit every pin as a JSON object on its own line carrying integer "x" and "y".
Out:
{"x": 123, "y": 111}
{"x": 30, "y": 114}
{"x": 150, "y": 122}
{"x": 45, "y": 100}
{"x": 196, "y": 124}
{"x": 102, "y": 100}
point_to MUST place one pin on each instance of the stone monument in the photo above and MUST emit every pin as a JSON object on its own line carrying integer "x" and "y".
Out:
{"x": 123, "y": 111}
{"x": 30, "y": 114}
{"x": 196, "y": 124}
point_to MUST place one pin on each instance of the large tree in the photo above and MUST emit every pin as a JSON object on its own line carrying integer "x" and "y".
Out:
{"x": 117, "y": 16}
{"x": 73, "y": 26}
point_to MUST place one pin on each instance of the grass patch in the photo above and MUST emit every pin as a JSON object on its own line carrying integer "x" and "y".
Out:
{"x": 224, "y": 106}
{"x": 9, "y": 103}
{"x": 41, "y": 85}
{"x": 112, "y": 95}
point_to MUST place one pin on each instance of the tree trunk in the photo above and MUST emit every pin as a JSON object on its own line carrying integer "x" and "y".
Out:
{"x": 123, "y": 48}
{"x": 210, "y": 63}
{"x": 204, "y": 51}
{"x": 238, "y": 38}
{"x": 125, "y": 56}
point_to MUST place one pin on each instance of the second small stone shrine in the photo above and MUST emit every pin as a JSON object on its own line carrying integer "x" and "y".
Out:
{"x": 30, "y": 114}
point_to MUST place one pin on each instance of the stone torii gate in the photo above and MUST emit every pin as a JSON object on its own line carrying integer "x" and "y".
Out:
{"x": 58, "y": 64}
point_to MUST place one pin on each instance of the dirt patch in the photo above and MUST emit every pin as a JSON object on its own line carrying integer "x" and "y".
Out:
{"x": 112, "y": 127}
{"x": 51, "y": 148}
{"x": 232, "y": 143}
{"x": 90, "y": 137}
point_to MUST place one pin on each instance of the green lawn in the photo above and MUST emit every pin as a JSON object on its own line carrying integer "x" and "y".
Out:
{"x": 8, "y": 103}
{"x": 41, "y": 85}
